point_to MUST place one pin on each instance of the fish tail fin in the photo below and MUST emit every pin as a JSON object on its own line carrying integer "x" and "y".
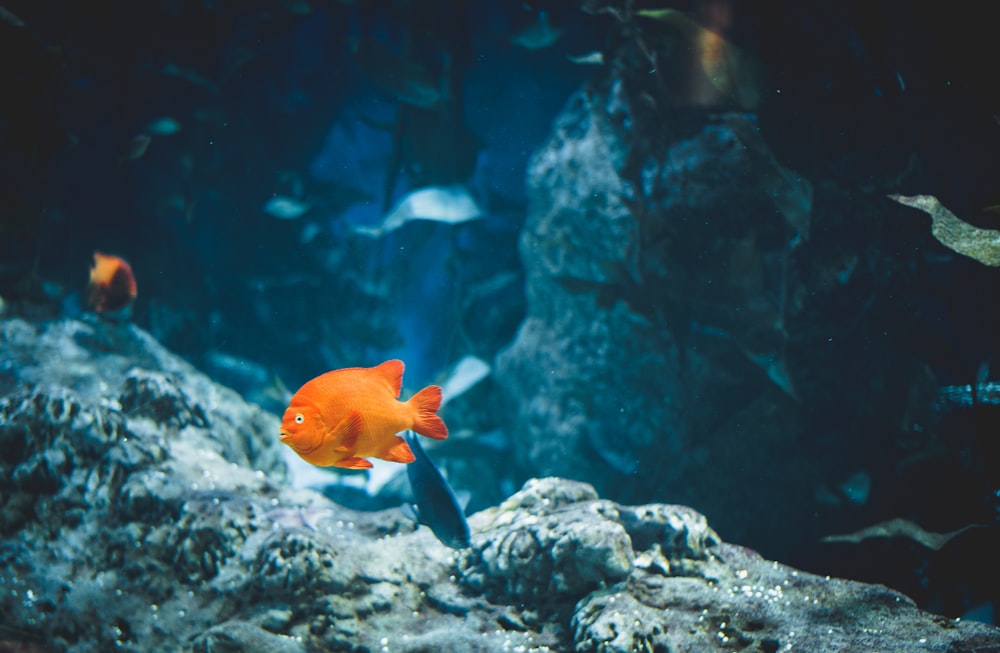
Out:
{"x": 426, "y": 421}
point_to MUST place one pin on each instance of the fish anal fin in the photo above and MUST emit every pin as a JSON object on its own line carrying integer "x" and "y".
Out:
{"x": 412, "y": 512}
{"x": 353, "y": 463}
{"x": 463, "y": 497}
{"x": 425, "y": 406}
{"x": 392, "y": 372}
{"x": 344, "y": 436}
{"x": 399, "y": 453}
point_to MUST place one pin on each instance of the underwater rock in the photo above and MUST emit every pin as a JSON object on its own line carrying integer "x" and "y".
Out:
{"x": 743, "y": 602}
{"x": 145, "y": 508}
{"x": 693, "y": 327}
{"x": 236, "y": 636}
{"x": 556, "y": 556}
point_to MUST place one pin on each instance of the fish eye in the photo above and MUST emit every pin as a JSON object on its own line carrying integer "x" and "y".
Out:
{"x": 299, "y": 418}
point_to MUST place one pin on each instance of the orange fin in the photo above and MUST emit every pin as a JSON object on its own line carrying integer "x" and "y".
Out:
{"x": 399, "y": 453}
{"x": 344, "y": 436}
{"x": 425, "y": 420}
{"x": 337, "y": 442}
{"x": 353, "y": 463}
{"x": 392, "y": 373}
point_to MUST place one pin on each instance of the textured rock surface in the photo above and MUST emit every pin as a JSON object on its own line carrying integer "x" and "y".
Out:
{"x": 144, "y": 509}
{"x": 571, "y": 544}
{"x": 699, "y": 314}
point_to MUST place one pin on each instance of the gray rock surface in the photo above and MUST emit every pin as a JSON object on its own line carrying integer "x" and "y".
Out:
{"x": 144, "y": 508}
{"x": 698, "y": 314}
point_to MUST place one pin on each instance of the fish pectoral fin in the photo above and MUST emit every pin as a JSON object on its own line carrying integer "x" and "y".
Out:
{"x": 344, "y": 436}
{"x": 353, "y": 463}
{"x": 399, "y": 453}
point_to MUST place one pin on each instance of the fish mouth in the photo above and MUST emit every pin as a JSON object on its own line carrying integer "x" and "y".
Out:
{"x": 286, "y": 437}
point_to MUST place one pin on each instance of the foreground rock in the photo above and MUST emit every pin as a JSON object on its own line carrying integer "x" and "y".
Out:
{"x": 144, "y": 509}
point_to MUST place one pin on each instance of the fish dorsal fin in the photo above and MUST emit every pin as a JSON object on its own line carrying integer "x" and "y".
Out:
{"x": 344, "y": 436}
{"x": 392, "y": 372}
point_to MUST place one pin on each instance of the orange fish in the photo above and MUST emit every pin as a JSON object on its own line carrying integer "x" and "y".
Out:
{"x": 112, "y": 284}
{"x": 342, "y": 417}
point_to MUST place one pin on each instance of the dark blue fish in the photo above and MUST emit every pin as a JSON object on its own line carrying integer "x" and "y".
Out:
{"x": 435, "y": 504}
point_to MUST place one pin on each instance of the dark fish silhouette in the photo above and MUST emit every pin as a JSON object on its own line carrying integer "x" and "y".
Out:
{"x": 435, "y": 504}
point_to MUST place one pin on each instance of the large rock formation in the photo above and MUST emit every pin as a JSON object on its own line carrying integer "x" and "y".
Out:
{"x": 703, "y": 322}
{"x": 145, "y": 508}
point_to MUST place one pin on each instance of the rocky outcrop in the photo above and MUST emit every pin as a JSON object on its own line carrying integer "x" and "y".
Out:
{"x": 145, "y": 508}
{"x": 699, "y": 315}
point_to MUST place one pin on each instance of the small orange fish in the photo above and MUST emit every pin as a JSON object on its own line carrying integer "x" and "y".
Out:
{"x": 112, "y": 284}
{"x": 342, "y": 417}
